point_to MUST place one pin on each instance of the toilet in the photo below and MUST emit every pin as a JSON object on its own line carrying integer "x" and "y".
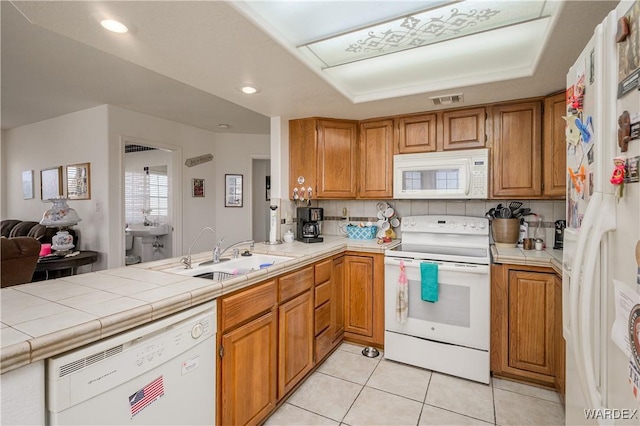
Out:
{"x": 130, "y": 259}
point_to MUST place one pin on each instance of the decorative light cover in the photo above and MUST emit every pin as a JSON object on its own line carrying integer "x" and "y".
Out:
{"x": 60, "y": 214}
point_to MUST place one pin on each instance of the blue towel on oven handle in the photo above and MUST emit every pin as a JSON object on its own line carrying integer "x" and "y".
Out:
{"x": 429, "y": 281}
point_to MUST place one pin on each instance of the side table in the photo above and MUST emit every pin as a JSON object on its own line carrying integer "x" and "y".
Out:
{"x": 85, "y": 257}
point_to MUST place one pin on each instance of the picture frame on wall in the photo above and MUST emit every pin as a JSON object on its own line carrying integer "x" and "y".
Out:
{"x": 268, "y": 188}
{"x": 197, "y": 188}
{"x": 51, "y": 183}
{"x": 79, "y": 181}
{"x": 232, "y": 190}
{"x": 27, "y": 185}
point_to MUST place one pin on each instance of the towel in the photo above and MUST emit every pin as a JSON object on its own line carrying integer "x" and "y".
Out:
{"x": 402, "y": 296}
{"x": 429, "y": 281}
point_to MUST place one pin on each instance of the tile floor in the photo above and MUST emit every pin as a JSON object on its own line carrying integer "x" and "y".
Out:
{"x": 350, "y": 389}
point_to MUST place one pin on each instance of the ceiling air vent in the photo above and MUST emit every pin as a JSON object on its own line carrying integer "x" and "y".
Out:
{"x": 447, "y": 99}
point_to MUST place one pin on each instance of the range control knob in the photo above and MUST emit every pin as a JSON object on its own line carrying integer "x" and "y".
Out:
{"x": 482, "y": 225}
{"x": 473, "y": 224}
{"x": 197, "y": 330}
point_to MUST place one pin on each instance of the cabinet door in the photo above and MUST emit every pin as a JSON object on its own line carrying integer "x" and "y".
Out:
{"x": 554, "y": 147}
{"x": 463, "y": 128}
{"x": 248, "y": 372}
{"x": 517, "y": 151}
{"x": 376, "y": 159}
{"x": 531, "y": 321}
{"x": 358, "y": 295}
{"x": 302, "y": 153}
{"x": 295, "y": 341}
{"x": 417, "y": 133}
{"x": 337, "y": 300}
{"x": 336, "y": 159}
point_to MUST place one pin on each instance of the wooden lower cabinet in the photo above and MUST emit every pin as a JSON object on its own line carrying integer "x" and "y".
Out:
{"x": 295, "y": 341}
{"x": 364, "y": 295}
{"x": 329, "y": 302}
{"x": 248, "y": 372}
{"x": 272, "y": 334}
{"x": 525, "y": 322}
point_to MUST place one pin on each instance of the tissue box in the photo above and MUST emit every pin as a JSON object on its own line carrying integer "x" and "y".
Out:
{"x": 361, "y": 233}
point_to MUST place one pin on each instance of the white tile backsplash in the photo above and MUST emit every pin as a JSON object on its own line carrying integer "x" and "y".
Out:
{"x": 550, "y": 210}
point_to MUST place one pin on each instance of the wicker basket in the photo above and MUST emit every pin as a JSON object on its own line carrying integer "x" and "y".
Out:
{"x": 505, "y": 232}
{"x": 361, "y": 233}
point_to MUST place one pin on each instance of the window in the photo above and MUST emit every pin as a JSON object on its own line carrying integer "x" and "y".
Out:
{"x": 147, "y": 190}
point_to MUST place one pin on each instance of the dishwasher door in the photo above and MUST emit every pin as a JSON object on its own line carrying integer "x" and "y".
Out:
{"x": 162, "y": 373}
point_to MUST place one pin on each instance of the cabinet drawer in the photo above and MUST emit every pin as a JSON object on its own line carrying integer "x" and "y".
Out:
{"x": 323, "y": 293}
{"x": 323, "y": 271}
{"x": 295, "y": 283}
{"x": 247, "y": 304}
{"x": 323, "y": 344}
{"x": 323, "y": 317}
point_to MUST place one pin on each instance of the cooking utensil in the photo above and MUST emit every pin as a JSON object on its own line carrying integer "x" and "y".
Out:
{"x": 491, "y": 214}
{"x": 515, "y": 205}
{"x": 505, "y": 213}
{"x": 522, "y": 212}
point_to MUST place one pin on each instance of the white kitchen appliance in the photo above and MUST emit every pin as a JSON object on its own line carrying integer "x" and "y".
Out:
{"x": 452, "y": 334}
{"x": 459, "y": 174}
{"x": 601, "y": 234}
{"x": 162, "y": 373}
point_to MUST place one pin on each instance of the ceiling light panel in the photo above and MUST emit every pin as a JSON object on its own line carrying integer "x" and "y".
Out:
{"x": 491, "y": 56}
{"x": 425, "y": 28}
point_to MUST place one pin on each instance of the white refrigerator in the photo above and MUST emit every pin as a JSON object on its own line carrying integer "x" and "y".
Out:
{"x": 601, "y": 275}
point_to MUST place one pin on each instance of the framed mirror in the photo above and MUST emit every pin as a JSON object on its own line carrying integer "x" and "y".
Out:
{"x": 232, "y": 190}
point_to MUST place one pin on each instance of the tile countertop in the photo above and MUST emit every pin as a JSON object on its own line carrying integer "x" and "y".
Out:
{"x": 45, "y": 318}
{"x": 549, "y": 258}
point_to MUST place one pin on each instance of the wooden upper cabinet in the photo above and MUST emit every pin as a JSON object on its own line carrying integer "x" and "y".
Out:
{"x": 417, "y": 133}
{"x": 336, "y": 159}
{"x": 554, "y": 147}
{"x": 463, "y": 128}
{"x": 376, "y": 159}
{"x": 323, "y": 151}
{"x": 302, "y": 153}
{"x": 516, "y": 161}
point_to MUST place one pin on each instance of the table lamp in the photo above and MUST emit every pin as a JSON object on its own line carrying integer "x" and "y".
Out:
{"x": 60, "y": 216}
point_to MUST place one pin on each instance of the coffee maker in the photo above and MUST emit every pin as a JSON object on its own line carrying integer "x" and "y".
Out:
{"x": 559, "y": 234}
{"x": 308, "y": 224}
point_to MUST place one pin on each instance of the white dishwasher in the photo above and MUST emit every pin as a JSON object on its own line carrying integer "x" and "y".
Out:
{"x": 162, "y": 373}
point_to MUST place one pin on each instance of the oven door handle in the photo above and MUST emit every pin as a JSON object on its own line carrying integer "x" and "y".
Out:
{"x": 442, "y": 266}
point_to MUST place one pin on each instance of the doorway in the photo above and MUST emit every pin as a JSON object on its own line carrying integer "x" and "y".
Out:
{"x": 151, "y": 197}
{"x": 260, "y": 197}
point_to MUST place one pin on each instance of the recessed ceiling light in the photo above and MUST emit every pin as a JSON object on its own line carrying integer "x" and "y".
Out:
{"x": 249, "y": 90}
{"x": 223, "y": 126}
{"x": 114, "y": 26}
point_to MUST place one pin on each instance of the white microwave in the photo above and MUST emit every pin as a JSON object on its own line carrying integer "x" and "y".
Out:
{"x": 442, "y": 175}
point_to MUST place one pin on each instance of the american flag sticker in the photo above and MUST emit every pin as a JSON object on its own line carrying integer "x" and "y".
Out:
{"x": 146, "y": 396}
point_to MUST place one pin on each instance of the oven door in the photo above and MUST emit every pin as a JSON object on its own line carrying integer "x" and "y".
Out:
{"x": 460, "y": 316}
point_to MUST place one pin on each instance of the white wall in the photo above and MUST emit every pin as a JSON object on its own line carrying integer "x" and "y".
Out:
{"x": 79, "y": 137}
{"x": 260, "y": 206}
{"x": 233, "y": 156}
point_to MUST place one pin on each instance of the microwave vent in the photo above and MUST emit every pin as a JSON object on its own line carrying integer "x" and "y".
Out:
{"x": 447, "y": 99}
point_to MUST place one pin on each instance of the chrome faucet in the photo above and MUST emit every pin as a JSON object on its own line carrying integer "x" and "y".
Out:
{"x": 187, "y": 259}
{"x": 216, "y": 250}
{"x": 217, "y": 253}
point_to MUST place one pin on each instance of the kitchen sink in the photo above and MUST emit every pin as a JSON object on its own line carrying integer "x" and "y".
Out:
{"x": 228, "y": 268}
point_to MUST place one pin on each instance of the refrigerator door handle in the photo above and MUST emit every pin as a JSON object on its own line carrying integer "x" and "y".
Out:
{"x": 606, "y": 222}
{"x": 590, "y": 216}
